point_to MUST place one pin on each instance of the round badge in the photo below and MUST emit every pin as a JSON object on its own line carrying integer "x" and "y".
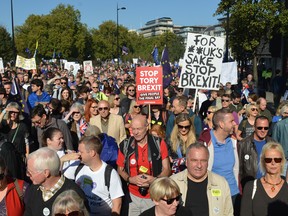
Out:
{"x": 94, "y": 185}
{"x": 46, "y": 211}
{"x": 246, "y": 157}
{"x": 216, "y": 210}
{"x": 133, "y": 161}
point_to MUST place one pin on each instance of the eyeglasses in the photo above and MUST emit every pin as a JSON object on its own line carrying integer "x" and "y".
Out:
{"x": 73, "y": 213}
{"x": 137, "y": 107}
{"x": 254, "y": 109}
{"x": 185, "y": 127}
{"x": 131, "y": 90}
{"x": 209, "y": 112}
{"x": 2, "y": 175}
{"x": 14, "y": 112}
{"x": 94, "y": 107}
{"x": 225, "y": 100}
{"x": 261, "y": 128}
{"x": 117, "y": 99}
{"x": 170, "y": 201}
{"x": 276, "y": 160}
{"x": 102, "y": 108}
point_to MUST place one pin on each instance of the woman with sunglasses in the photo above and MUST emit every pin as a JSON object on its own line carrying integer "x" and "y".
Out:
{"x": 183, "y": 134}
{"x": 208, "y": 124}
{"x": 166, "y": 195}
{"x": 76, "y": 123}
{"x": 114, "y": 102}
{"x": 14, "y": 129}
{"x": 269, "y": 194}
{"x": 246, "y": 127}
{"x": 134, "y": 110}
{"x": 69, "y": 203}
{"x": 11, "y": 191}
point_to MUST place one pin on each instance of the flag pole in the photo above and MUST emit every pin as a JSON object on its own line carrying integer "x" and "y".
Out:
{"x": 195, "y": 99}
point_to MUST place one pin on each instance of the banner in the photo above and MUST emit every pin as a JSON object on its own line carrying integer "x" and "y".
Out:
{"x": 72, "y": 67}
{"x": 202, "y": 62}
{"x": 149, "y": 85}
{"x": 229, "y": 73}
{"x": 88, "y": 66}
{"x": 25, "y": 63}
{"x": 1, "y": 66}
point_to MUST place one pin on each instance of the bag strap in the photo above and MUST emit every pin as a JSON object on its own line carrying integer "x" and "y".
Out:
{"x": 19, "y": 191}
{"x": 15, "y": 133}
{"x": 254, "y": 188}
{"x": 80, "y": 166}
{"x": 107, "y": 176}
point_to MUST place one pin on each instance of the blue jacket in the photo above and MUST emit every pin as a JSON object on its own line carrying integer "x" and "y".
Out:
{"x": 171, "y": 120}
{"x": 33, "y": 99}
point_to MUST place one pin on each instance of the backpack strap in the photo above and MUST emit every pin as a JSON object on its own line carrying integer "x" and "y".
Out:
{"x": 254, "y": 188}
{"x": 80, "y": 166}
{"x": 107, "y": 176}
{"x": 19, "y": 191}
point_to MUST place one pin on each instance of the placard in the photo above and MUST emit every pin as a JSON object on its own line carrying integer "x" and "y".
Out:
{"x": 149, "y": 85}
{"x": 202, "y": 62}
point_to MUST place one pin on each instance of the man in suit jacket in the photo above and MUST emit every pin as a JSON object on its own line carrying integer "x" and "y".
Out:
{"x": 109, "y": 123}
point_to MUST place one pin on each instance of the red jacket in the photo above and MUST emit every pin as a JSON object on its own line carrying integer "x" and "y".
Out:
{"x": 14, "y": 205}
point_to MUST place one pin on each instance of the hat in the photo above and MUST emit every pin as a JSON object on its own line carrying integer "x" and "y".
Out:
{"x": 105, "y": 79}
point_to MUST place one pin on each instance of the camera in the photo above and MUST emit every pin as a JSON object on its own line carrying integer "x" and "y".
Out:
{"x": 143, "y": 190}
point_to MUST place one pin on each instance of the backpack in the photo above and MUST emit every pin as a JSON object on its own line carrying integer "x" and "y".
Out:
{"x": 107, "y": 174}
{"x": 128, "y": 142}
{"x": 109, "y": 152}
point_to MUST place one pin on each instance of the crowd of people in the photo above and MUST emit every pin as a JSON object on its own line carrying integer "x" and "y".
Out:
{"x": 81, "y": 144}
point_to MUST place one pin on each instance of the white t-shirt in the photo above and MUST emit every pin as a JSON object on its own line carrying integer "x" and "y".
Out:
{"x": 97, "y": 194}
{"x": 69, "y": 167}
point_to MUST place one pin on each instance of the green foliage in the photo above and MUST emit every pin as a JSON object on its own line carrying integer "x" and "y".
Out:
{"x": 62, "y": 31}
{"x": 252, "y": 23}
{"x": 6, "y": 50}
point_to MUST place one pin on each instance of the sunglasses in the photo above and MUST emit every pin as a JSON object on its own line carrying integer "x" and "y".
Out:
{"x": 137, "y": 107}
{"x": 185, "y": 127}
{"x": 209, "y": 112}
{"x": 64, "y": 83}
{"x": 13, "y": 112}
{"x": 101, "y": 108}
{"x": 95, "y": 87}
{"x": 2, "y": 175}
{"x": 276, "y": 160}
{"x": 73, "y": 213}
{"x": 170, "y": 201}
{"x": 261, "y": 128}
{"x": 225, "y": 100}
{"x": 254, "y": 109}
{"x": 117, "y": 99}
{"x": 76, "y": 113}
{"x": 131, "y": 90}
{"x": 86, "y": 77}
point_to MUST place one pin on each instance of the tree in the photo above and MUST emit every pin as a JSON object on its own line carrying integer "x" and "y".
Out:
{"x": 6, "y": 48}
{"x": 59, "y": 31}
{"x": 252, "y": 23}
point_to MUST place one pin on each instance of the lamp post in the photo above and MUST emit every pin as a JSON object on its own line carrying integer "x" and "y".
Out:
{"x": 13, "y": 39}
{"x": 117, "y": 34}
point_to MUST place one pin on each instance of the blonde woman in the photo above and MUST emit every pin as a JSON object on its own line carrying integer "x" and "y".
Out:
{"x": 246, "y": 127}
{"x": 183, "y": 134}
{"x": 208, "y": 120}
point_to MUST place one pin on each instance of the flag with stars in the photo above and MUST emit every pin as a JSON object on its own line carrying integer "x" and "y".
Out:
{"x": 167, "y": 77}
{"x": 155, "y": 55}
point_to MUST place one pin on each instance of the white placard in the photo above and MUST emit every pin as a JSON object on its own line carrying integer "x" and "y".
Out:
{"x": 229, "y": 73}
{"x": 202, "y": 62}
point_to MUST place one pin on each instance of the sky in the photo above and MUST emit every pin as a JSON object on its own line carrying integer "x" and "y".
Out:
{"x": 137, "y": 13}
